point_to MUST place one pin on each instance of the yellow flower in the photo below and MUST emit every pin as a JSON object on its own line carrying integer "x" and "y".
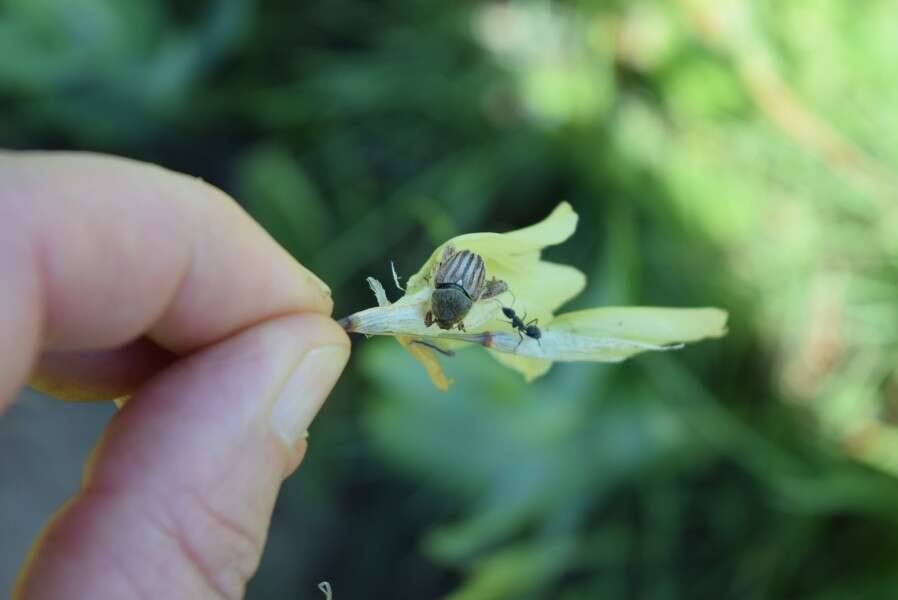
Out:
{"x": 536, "y": 288}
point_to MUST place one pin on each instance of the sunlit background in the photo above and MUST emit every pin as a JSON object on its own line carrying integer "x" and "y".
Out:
{"x": 732, "y": 153}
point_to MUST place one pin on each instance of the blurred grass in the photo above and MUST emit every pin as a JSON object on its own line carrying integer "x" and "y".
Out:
{"x": 731, "y": 153}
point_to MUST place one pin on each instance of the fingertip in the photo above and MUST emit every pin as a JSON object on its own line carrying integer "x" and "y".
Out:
{"x": 187, "y": 475}
{"x": 144, "y": 249}
{"x": 297, "y": 456}
{"x": 21, "y": 314}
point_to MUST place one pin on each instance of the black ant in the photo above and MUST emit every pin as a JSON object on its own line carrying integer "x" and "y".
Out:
{"x": 528, "y": 328}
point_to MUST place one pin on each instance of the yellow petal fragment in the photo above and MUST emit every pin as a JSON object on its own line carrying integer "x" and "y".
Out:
{"x": 551, "y": 231}
{"x": 645, "y": 324}
{"x": 428, "y": 359}
{"x": 600, "y": 335}
{"x": 529, "y": 367}
{"x": 66, "y": 391}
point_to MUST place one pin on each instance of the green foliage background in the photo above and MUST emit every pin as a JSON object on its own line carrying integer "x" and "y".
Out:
{"x": 734, "y": 153}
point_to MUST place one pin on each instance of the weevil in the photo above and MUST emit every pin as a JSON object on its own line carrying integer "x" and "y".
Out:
{"x": 459, "y": 282}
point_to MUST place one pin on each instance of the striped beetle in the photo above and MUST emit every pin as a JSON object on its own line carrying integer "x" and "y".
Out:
{"x": 460, "y": 281}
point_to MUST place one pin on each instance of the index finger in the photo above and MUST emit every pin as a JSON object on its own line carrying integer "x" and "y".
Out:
{"x": 97, "y": 251}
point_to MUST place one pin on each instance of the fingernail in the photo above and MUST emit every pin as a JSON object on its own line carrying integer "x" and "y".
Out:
{"x": 306, "y": 389}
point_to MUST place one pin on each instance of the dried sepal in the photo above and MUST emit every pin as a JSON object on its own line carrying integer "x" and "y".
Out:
{"x": 406, "y": 317}
{"x": 377, "y": 288}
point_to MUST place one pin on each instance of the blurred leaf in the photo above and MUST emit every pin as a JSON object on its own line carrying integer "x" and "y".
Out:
{"x": 720, "y": 153}
{"x": 277, "y": 193}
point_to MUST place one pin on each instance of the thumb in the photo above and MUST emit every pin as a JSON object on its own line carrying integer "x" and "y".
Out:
{"x": 178, "y": 495}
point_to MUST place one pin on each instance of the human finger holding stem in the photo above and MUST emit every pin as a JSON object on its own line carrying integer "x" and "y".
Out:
{"x": 122, "y": 278}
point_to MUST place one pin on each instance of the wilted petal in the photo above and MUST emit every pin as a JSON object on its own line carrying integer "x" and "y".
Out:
{"x": 378, "y": 289}
{"x": 428, "y": 359}
{"x": 645, "y": 324}
{"x": 600, "y": 335}
{"x": 529, "y": 367}
{"x": 562, "y": 346}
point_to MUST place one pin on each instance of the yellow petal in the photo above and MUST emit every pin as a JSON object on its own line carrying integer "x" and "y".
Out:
{"x": 429, "y": 360}
{"x": 645, "y": 324}
{"x": 544, "y": 289}
{"x": 529, "y": 367}
{"x": 554, "y": 229}
{"x": 601, "y": 335}
{"x": 551, "y": 231}
{"x": 513, "y": 252}
{"x": 68, "y": 392}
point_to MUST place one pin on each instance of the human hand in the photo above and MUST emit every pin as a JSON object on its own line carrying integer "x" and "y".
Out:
{"x": 124, "y": 278}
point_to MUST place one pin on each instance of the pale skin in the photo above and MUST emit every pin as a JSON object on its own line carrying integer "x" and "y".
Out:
{"x": 121, "y": 278}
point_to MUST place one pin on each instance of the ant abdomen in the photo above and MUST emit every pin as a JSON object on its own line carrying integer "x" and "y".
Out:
{"x": 528, "y": 329}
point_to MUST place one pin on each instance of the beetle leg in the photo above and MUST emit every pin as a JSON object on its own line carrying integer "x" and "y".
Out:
{"x": 493, "y": 288}
{"x": 461, "y": 326}
{"x": 442, "y": 351}
{"x": 448, "y": 251}
{"x": 428, "y": 319}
